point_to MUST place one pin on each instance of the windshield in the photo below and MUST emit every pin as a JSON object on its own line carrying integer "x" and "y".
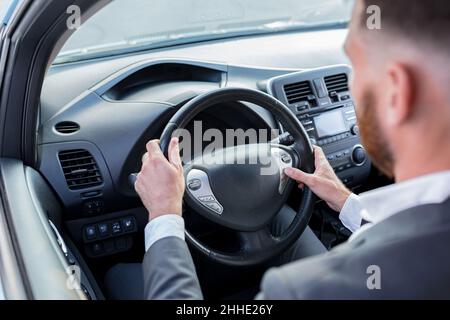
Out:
{"x": 133, "y": 25}
{"x": 4, "y": 7}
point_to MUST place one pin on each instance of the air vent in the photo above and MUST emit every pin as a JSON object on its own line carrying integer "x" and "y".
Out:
{"x": 337, "y": 83}
{"x": 80, "y": 169}
{"x": 67, "y": 127}
{"x": 297, "y": 92}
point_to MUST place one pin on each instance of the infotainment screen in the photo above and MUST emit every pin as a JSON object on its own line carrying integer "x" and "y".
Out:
{"x": 330, "y": 124}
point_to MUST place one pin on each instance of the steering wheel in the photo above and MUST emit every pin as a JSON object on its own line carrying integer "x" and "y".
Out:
{"x": 237, "y": 195}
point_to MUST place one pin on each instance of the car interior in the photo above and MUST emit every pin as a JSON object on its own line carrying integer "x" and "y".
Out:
{"x": 97, "y": 114}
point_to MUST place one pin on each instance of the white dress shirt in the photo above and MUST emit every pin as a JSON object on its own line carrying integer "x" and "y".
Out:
{"x": 171, "y": 225}
{"x": 379, "y": 204}
{"x": 373, "y": 206}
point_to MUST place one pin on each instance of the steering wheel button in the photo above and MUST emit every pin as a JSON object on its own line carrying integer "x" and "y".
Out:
{"x": 214, "y": 206}
{"x": 285, "y": 158}
{"x": 200, "y": 189}
{"x": 195, "y": 184}
{"x": 207, "y": 199}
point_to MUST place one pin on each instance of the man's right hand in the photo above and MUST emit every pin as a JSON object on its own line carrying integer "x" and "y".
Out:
{"x": 160, "y": 184}
{"x": 323, "y": 182}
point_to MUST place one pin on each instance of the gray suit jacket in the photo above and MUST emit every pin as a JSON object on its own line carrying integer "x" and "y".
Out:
{"x": 404, "y": 257}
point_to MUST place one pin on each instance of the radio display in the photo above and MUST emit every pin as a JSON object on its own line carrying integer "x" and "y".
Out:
{"x": 330, "y": 124}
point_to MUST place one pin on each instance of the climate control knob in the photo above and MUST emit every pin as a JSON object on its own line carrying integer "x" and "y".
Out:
{"x": 355, "y": 130}
{"x": 359, "y": 155}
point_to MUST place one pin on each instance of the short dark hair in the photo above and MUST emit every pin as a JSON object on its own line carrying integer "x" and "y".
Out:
{"x": 416, "y": 20}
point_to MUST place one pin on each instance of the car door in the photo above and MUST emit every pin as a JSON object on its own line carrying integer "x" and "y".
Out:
{"x": 34, "y": 259}
{"x": 12, "y": 284}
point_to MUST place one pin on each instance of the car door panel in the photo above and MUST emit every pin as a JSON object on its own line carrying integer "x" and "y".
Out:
{"x": 30, "y": 204}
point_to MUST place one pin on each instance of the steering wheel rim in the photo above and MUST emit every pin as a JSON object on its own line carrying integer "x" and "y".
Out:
{"x": 302, "y": 150}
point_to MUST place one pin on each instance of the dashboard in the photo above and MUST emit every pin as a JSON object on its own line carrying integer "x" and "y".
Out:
{"x": 97, "y": 116}
{"x": 321, "y": 100}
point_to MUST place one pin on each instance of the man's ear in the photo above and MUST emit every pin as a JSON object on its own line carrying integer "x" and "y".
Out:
{"x": 400, "y": 94}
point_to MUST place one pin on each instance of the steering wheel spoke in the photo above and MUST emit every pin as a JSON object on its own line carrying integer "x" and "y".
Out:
{"x": 257, "y": 241}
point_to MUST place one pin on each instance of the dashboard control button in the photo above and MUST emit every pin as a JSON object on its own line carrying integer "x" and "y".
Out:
{"x": 334, "y": 96}
{"x": 103, "y": 228}
{"x": 91, "y": 232}
{"x": 359, "y": 156}
{"x": 97, "y": 248}
{"x": 116, "y": 228}
{"x": 93, "y": 207}
{"x": 128, "y": 224}
{"x": 355, "y": 130}
{"x": 347, "y": 180}
{"x": 302, "y": 108}
{"x": 88, "y": 208}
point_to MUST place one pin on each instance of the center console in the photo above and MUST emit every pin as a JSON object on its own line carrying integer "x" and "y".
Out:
{"x": 322, "y": 101}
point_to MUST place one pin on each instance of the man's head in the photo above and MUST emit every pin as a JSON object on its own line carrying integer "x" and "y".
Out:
{"x": 401, "y": 77}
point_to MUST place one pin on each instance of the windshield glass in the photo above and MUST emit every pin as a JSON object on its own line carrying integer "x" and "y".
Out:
{"x": 133, "y": 25}
{"x": 4, "y": 6}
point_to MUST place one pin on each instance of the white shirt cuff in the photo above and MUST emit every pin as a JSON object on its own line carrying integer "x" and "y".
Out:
{"x": 351, "y": 213}
{"x": 170, "y": 225}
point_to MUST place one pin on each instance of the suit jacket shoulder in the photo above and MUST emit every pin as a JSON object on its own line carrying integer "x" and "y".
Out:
{"x": 404, "y": 257}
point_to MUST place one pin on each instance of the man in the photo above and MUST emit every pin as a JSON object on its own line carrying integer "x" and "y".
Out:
{"x": 401, "y": 232}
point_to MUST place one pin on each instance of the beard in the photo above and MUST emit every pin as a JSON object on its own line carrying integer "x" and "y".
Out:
{"x": 372, "y": 135}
